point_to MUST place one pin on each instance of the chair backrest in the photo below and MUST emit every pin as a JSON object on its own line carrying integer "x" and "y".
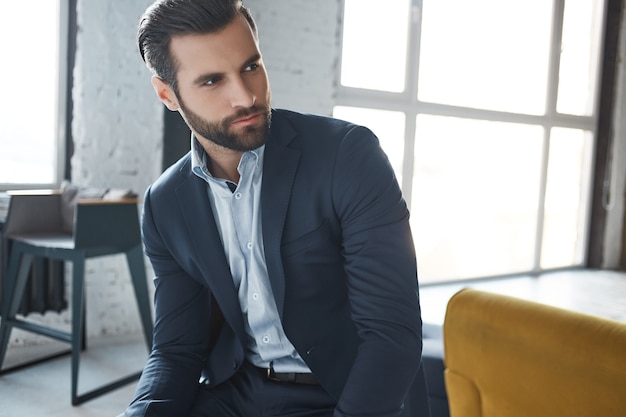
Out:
{"x": 508, "y": 357}
{"x": 110, "y": 223}
{"x": 107, "y": 223}
{"x": 34, "y": 212}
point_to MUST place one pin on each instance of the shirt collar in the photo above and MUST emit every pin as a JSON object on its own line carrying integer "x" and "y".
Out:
{"x": 199, "y": 159}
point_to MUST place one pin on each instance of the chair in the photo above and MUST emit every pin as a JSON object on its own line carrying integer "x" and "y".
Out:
{"x": 35, "y": 228}
{"x": 508, "y": 357}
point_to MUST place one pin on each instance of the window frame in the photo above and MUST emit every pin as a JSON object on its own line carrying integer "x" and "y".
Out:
{"x": 408, "y": 103}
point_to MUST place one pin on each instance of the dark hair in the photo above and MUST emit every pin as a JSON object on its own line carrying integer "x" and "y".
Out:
{"x": 165, "y": 19}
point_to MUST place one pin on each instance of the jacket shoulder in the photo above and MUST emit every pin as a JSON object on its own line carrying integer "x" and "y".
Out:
{"x": 307, "y": 124}
{"x": 174, "y": 174}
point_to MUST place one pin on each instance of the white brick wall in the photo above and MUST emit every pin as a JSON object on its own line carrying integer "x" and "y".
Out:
{"x": 117, "y": 121}
{"x": 300, "y": 44}
{"x": 117, "y": 124}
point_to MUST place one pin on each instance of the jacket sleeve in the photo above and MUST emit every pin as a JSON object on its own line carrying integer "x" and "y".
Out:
{"x": 381, "y": 277}
{"x": 169, "y": 382}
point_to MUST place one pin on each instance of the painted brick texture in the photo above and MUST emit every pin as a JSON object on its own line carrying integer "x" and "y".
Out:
{"x": 117, "y": 124}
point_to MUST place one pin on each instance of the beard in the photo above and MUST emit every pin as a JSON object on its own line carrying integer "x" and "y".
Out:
{"x": 250, "y": 138}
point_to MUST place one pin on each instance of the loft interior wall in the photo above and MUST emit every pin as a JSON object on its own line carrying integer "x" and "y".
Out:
{"x": 118, "y": 123}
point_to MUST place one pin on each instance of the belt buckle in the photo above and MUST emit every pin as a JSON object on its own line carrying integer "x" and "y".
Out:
{"x": 271, "y": 375}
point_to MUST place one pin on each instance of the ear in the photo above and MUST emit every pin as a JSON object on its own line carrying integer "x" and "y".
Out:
{"x": 165, "y": 93}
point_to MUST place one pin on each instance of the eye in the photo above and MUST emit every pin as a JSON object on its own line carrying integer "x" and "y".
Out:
{"x": 252, "y": 67}
{"x": 211, "y": 81}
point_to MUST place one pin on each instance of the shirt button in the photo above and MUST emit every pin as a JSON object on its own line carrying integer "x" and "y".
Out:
{"x": 266, "y": 339}
{"x": 249, "y": 245}
{"x": 238, "y": 196}
{"x": 255, "y": 296}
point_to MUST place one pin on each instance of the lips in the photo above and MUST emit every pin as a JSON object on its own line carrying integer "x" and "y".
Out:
{"x": 247, "y": 120}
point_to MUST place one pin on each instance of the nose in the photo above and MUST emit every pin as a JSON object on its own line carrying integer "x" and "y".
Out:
{"x": 241, "y": 94}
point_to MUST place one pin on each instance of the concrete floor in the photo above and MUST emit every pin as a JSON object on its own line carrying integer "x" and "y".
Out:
{"x": 43, "y": 390}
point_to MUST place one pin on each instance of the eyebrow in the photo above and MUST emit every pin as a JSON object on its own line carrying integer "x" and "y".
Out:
{"x": 201, "y": 79}
{"x": 252, "y": 59}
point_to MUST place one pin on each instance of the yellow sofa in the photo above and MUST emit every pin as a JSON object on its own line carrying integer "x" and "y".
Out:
{"x": 508, "y": 357}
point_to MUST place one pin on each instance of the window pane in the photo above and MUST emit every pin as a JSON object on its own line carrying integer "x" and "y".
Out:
{"x": 475, "y": 197}
{"x": 28, "y": 140}
{"x": 486, "y": 54}
{"x": 565, "y": 214}
{"x": 374, "y": 44}
{"x": 387, "y": 125}
{"x": 579, "y": 54}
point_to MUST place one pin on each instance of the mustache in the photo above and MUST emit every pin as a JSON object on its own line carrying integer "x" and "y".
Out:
{"x": 241, "y": 113}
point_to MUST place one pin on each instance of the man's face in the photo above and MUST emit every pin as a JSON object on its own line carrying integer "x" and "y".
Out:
{"x": 223, "y": 90}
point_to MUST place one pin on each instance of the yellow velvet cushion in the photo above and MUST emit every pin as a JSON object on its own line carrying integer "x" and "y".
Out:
{"x": 508, "y": 357}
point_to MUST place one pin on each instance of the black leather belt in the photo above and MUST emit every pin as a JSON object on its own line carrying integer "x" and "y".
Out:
{"x": 294, "y": 378}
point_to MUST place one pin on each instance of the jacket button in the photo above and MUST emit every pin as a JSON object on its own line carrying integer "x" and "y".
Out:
{"x": 235, "y": 365}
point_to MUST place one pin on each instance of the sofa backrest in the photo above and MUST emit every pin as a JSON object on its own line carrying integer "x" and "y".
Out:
{"x": 508, "y": 357}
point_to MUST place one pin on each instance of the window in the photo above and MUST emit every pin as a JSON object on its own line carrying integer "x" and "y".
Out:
{"x": 32, "y": 112}
{"x": 486, "y": 111}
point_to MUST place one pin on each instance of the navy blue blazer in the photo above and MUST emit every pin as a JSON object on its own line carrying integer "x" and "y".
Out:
{"x": 341, "y": 263}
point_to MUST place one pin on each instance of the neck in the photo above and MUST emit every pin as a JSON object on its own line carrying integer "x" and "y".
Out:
{"x": 222, "y": 162}
{"x": 225, "y": 169}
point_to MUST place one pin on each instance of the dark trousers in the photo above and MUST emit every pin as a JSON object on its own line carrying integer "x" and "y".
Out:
{"x": 250, "y": 394}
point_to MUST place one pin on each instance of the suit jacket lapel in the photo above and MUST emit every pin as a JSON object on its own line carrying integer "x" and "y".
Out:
{"x": 208, "y": 250}
{"x": 279, "y": 169}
